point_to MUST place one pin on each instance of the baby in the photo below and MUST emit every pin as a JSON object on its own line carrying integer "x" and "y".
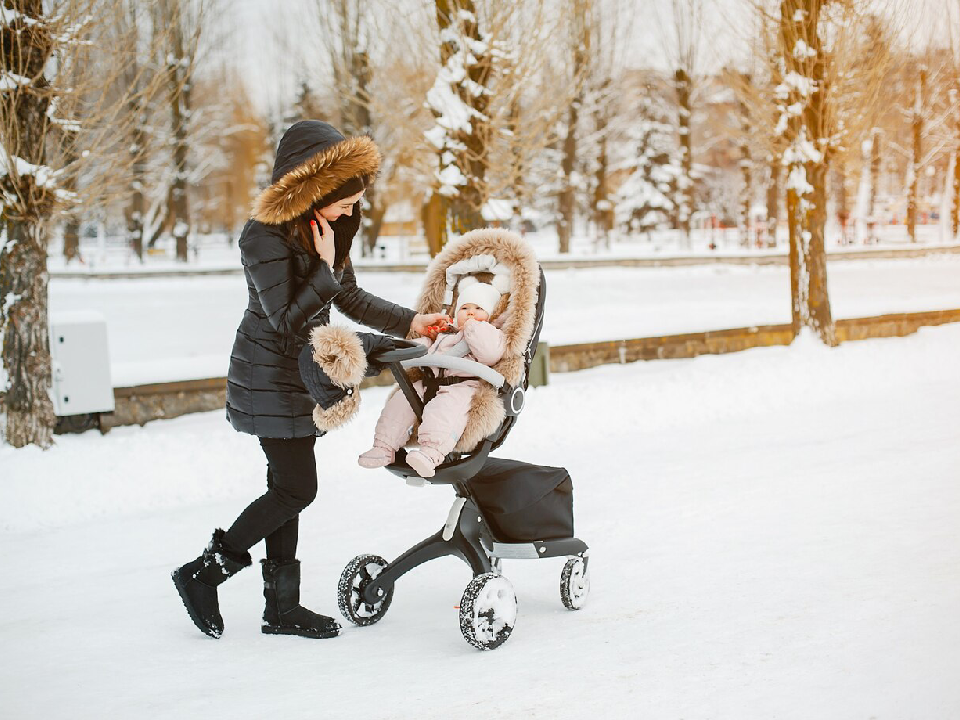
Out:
{"x": 445, "y": 416}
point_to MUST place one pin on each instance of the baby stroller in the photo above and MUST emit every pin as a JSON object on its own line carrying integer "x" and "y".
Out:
{"x": 503, "y": 509}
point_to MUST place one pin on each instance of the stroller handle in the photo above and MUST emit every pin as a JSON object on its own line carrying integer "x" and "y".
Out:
{"x": 403, "y": 350}
{"x": 455, "y": 363}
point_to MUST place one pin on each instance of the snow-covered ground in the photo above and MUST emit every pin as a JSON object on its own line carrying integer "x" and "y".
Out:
{"x": 774, "y": 534}
{"x": 183, "y": 328}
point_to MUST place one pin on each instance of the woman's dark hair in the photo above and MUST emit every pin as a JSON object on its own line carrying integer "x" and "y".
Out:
{"x": 300, "y": 233}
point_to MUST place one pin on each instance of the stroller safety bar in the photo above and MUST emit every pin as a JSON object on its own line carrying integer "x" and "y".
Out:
{"x": 461, "y": 364}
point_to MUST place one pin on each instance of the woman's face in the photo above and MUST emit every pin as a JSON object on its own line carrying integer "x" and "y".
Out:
{"x": 340, "y": 207}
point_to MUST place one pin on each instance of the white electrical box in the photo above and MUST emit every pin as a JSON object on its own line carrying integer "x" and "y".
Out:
{"x": 81, "y": 363}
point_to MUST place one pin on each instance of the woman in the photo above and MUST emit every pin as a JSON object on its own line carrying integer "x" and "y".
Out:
{"x": 295, "y": 253}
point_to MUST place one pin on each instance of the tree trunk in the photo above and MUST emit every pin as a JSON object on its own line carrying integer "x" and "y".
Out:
{"x": 682, "y": 84}
{"x": 913, "y": 186}
{"x": 603, "y": 217}
{"x": 463, "y": 210}
{"x": 433, "y": 215}
{"x": 71, "y": 239}
{"x": 874, "y": 174}
{"x": 806, "y": 188}
{"x": 955, "y": 213}
{"x": 26, "y": 336}
{"x": 602, "y": 207}
{"x": 135, "y": 210}
{"x": 26, "y": 374}
{"x": 361, "y": 122}
{"x": 746, "y": 169}
{"x": 517, "y": 168}
{"x": 773, "y": 199}
{"x": 818, "y": 315}
{"x": 373, "y": 224}
{"x": 178, "y": 78}
{"x": 137, "y": 142}
{"x": 567, "y": 204}
{"x": 567, "y": 196}
{"x": 840, "y": 195}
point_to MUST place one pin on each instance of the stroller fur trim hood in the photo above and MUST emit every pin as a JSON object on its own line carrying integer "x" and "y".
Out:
{"x": 297, "y": 190}
{"x": 515, "y": 314}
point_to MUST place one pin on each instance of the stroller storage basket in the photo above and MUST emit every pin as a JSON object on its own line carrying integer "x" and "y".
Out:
{"x": 524, "y": 502}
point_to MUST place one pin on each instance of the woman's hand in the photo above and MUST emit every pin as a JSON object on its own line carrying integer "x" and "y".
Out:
{"x": 324, "y": 243}
{"x": 420, "y": 323}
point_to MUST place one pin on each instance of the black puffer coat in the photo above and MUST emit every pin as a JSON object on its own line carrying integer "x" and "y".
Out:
{"x": 290, "y": 291}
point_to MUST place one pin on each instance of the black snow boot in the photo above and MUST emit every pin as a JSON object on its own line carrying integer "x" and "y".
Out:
{"x": 197, "y": 583}
{"x": 283, "y": 614}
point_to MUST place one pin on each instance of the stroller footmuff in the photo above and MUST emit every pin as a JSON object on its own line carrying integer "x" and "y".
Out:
{"x": 503, "y": 509}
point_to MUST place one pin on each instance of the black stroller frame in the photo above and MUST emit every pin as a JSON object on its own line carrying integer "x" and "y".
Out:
{"x": 486, "y": 618}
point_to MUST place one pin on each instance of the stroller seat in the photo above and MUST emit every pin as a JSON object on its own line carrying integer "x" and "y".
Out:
{"x": 503, "y": 509}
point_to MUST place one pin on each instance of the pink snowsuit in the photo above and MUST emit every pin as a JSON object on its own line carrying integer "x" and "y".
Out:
{"x": 444, "y": 417}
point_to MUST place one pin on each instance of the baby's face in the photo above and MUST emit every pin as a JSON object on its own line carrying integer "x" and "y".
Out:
{"x": 470, "y": 311}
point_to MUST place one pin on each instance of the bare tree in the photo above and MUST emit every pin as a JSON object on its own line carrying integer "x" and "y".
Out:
{"x": 682, "y": 39}
{"x": 349, "y": 32}
{"x": 581, "y": 12}
{"x": 802, "y": 120}
{"x": 59, "y": 124}
{"x": 916, "y": 148}
{"x": 182, "y": 21}
{"x": 746, "y": 166}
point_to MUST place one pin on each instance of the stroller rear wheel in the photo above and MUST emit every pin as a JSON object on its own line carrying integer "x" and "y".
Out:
{"x": 356, "y": 576}
{"x": 574, "y": 584}
{"x": 488, "y": 611}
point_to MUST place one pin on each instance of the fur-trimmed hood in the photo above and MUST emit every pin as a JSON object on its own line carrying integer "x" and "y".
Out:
{"x": 497, "y": 254}
{"x": 313, "y": 160}
{"x": 516, "y": 312}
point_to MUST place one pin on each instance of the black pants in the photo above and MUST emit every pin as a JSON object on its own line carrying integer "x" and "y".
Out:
{"x": 275, "y": 515}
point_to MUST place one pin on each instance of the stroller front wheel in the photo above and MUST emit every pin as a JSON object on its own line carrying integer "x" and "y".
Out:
{"x": 488, "y": 611}
{"x": 574, "y": 583}
{"x": 356, "y": 576}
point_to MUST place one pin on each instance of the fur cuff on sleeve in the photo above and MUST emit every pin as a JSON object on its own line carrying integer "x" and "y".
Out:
{"x": 338, "y": 413}
{"x": 339, "y": 353}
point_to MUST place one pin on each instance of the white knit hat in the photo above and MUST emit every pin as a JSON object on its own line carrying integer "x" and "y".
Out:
{"x": 482, "y": 295}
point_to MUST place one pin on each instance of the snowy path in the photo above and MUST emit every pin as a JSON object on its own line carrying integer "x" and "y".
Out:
{"x": 774, "y": 534}
{"x": 181, "y": 329}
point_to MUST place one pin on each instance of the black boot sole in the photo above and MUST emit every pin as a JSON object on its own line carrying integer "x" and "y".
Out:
{"x": 313, "y": 634}
{"x": 181, "y": 586}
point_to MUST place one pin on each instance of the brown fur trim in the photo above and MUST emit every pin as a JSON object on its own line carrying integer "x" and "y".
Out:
{"x": 293, "y": 194}
{"x": 336, "y": 415}
{"x": 486, "y": 414}
{"x": 339, "y": 353}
